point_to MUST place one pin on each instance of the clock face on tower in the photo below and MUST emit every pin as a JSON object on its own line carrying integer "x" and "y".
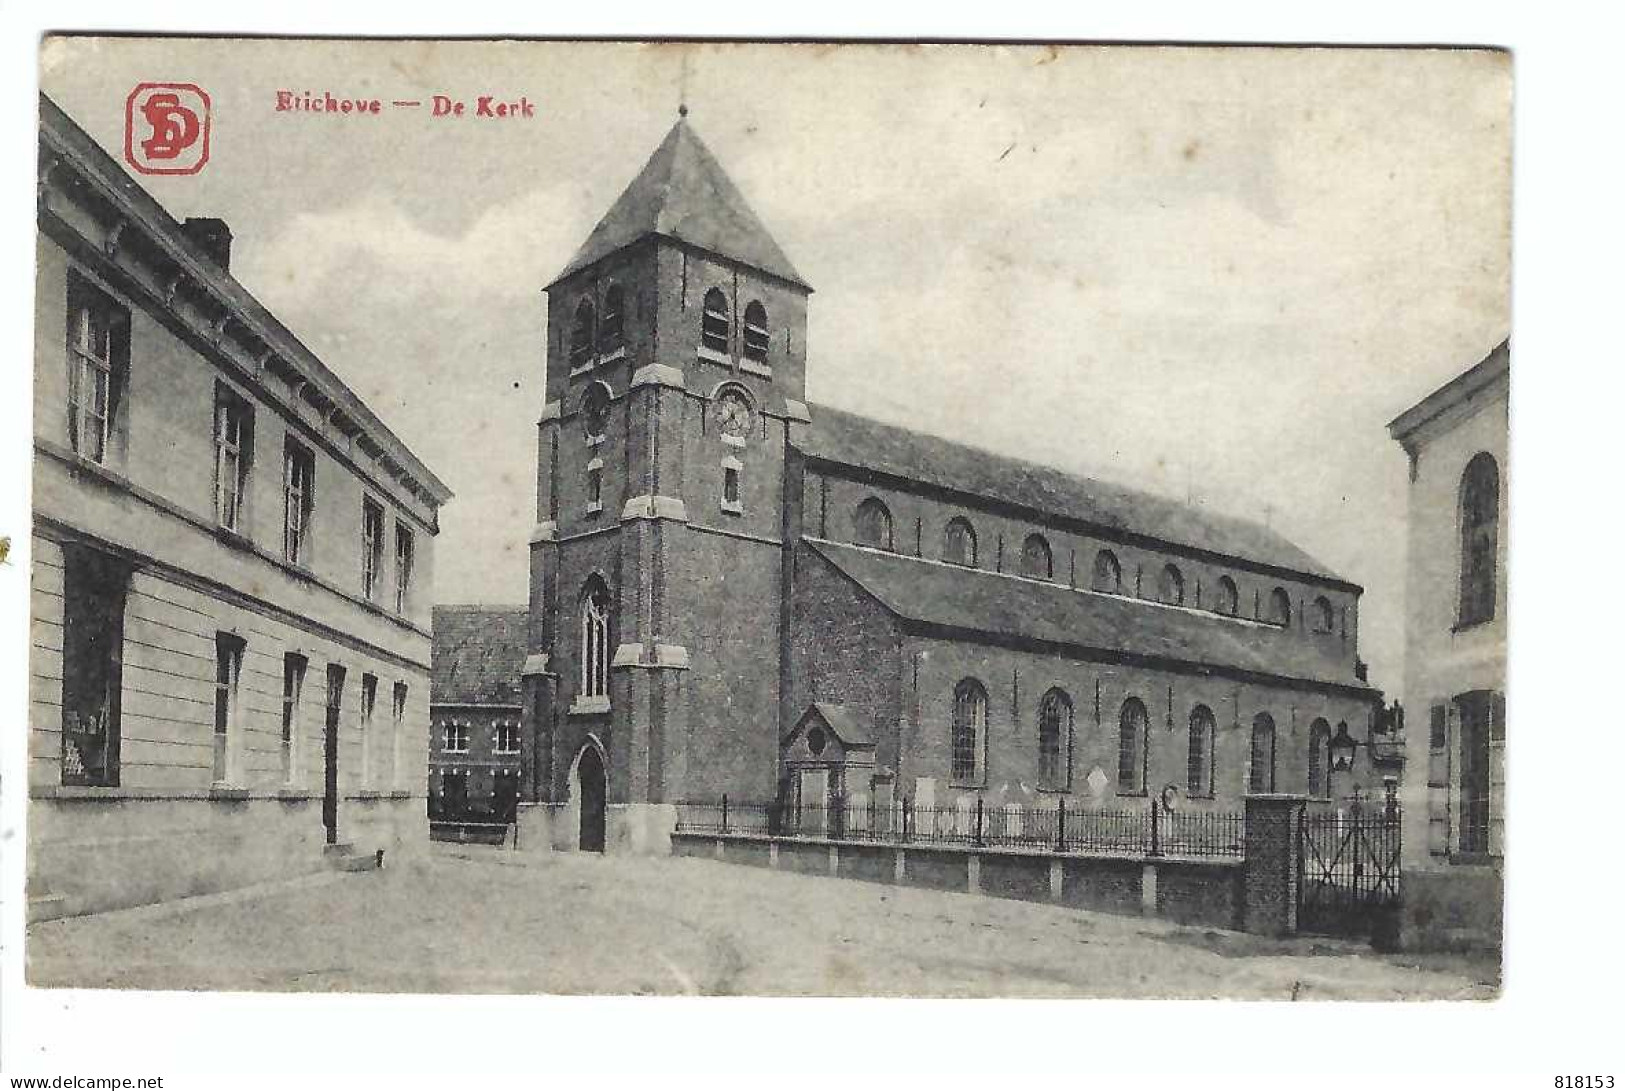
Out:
{"x": 731, "y": 411}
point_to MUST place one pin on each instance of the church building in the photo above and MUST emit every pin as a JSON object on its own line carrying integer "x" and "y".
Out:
{"x": 736, "y": 592}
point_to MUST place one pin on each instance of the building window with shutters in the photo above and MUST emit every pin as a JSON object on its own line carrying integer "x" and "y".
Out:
{"x": 756, "y": 336}
{"x": 1133, "y": 727}
{"x": 1480, "y": 518}
{"x": 1480, "y": 727}
{"x": 612, "y": 325}
{"x": 94, "y": 588}
{"x": 581, "y": 336}
{"x": 969, "y": 734}
{"x": 1199, "y": 756}
{"x": 714, "y": 323}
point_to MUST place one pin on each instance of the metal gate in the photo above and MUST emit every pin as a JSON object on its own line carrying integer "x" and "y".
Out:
{"x": 1348, "y": 875}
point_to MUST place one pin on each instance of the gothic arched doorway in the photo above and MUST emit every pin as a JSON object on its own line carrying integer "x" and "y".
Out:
{"x": 590, "y": 792}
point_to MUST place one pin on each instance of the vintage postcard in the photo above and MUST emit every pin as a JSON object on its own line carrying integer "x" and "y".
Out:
{"x": 769, "y": 519}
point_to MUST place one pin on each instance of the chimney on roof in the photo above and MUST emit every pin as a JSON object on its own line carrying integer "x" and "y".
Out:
{"x": 211, "y": 236}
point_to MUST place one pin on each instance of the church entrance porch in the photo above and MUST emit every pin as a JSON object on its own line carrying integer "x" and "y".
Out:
{"x": 588, "y": 791}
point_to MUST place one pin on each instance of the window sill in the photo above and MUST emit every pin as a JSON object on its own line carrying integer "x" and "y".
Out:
{"x": 581, "y": 369}
{"x": 733, "y": 507}
{"x": 227, "y": 793}
{"x": 589, "y": 706}
{"x": 295, "y": 795}
{"x": 78, "y": 463}
{"x": 968, "y": 785}
{"x": 234, "y": 538}
{"x": 1057, "y": 790}
{"x": 299, "y": 569}
{"x": 369, "y": 794}
{"x": 594, "y": 507}
{"x": 753, "y": 367}
{"x": 1139, "y": 793}
{"x": 712, "y": 356}
{"x": 618, "y": 353}
{"x": 1469, "y": 626}
{"x": 1473, "y": 859}
{"x": 400, "y": 793}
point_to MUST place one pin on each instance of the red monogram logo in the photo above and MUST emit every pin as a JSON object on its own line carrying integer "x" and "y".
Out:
{"x": 166, "y": 128}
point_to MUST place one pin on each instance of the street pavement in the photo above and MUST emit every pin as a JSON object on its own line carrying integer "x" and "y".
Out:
{"x": 473, "y": 920}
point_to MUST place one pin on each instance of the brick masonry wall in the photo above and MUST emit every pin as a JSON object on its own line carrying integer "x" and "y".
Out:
{"x": 1204, "y": 895}
{"x": 844, "y": 649}
{"x": 1016, "y": 682}
{"x": 1112, "y": 886}
{"x": 1270, "y": 884}
{"x": 1201, "y": 893}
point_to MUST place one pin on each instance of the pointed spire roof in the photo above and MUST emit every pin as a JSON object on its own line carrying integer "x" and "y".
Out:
{"x": 682, "y": 192}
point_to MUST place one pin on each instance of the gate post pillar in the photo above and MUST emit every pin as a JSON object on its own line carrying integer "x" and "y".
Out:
{"x": 1271, "y": 866}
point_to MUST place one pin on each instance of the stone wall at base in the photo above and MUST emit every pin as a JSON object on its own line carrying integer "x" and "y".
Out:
{"x": 1203, "y": 892}
{"x": 1455, "y": 908}
{"x": 88, "y": 855}
{"x": 633, "y": 829}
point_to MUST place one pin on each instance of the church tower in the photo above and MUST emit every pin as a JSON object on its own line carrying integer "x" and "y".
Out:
{"x": 676, "y": 361}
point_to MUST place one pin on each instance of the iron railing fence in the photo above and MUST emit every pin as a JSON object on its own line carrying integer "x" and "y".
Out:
{"x": 1148, "y": 831}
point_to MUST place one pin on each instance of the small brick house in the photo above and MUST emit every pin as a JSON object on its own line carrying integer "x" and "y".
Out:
{"x": 716, "y": 563}
{"x": 475, "y": 709}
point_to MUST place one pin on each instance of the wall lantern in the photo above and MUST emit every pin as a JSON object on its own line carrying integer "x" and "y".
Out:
{"x": 1342, "y": 749}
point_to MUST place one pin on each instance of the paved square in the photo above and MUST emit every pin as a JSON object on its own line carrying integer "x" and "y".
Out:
{"x": 493, "y": 921}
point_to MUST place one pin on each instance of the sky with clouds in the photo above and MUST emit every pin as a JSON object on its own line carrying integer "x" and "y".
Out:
{"x": 1215, "y": 274}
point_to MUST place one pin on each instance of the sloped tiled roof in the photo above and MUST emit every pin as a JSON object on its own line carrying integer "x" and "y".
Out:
{"x": 932, "y": 593}
{"x": 842, "y": 720}
{"x": 682, "y": 192}
{"x": 851, "y": 440}
{"x": 479, "y": 652}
